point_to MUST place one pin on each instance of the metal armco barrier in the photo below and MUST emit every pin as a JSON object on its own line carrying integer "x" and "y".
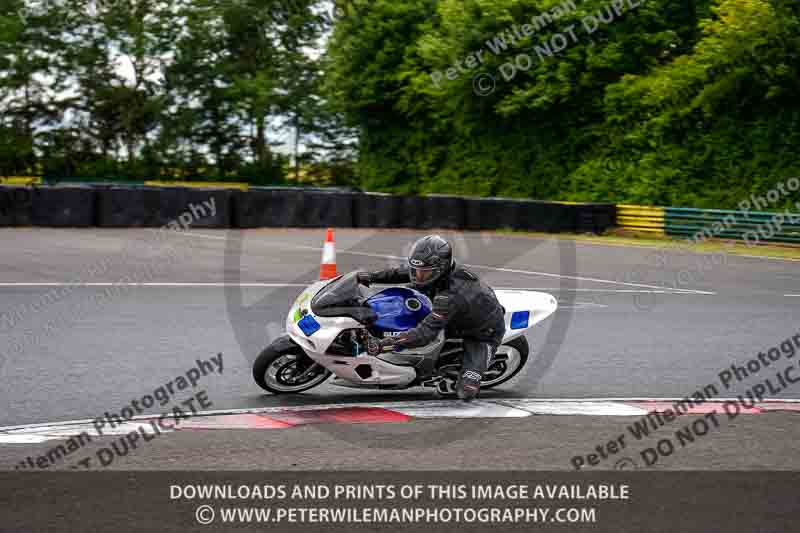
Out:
{"x": 641, "y": 218}
{"x": 142, "y": 206}
{"x": 199, "y": 184}
{"x": 20, "y": 180}
{"x": 749, "y": 226}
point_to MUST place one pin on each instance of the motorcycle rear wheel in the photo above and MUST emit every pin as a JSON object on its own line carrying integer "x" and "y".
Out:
{"x": 502, "y": 368}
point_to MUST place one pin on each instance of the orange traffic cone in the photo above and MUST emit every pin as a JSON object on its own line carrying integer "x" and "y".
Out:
{"x": 327, "y": 268}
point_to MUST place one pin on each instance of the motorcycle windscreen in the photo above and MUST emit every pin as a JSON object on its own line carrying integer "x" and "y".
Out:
{"x": 343, "y": 297}
{"x": 341, "y": 292}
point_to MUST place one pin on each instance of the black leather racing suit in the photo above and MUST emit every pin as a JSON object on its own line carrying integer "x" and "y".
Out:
{"x": 464, "y": 307}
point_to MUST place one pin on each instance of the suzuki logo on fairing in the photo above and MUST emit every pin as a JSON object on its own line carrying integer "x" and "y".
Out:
{"x": 392, "y": 333}
{"x": 417, "y": 262}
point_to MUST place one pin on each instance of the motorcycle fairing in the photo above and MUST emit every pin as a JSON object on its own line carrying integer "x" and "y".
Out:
{"x": 396, "y": 369}
{"x": 398, "y": 309}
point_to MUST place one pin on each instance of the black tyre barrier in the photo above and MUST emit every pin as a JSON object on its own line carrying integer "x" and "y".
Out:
{"x": 326, "y": 209}
{"x": 447, "y": 212}
{"x": 252, "y": 209}
{"x": 287, "y": 208}
{"x": 529, "y": 215}
{"x": 373, "y": 210}
{"x": 16, "y": 206}
{"x": 170, "y": 206}
{"x": 211, "y": 208}
{"x": 156, "y": 207}
{"x": 550, "y": 217}
{"x": 475, "y": 214}
{"x": 597, "y": 218}
{"x": 114, "y": 206}
{"x": 493, "y": 213}
{"x": 193, "y": 208}
{"x": 63, "y": 207}
{"x": 120, "y": 207}
{"x": 412, "y": 212}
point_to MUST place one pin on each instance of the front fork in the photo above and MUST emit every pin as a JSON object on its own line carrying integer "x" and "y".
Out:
{"x": 312, "y": 369}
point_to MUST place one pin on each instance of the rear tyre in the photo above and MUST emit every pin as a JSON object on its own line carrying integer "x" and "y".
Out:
{"x": 508, "y": 361}
{"x": 284, "y": 368}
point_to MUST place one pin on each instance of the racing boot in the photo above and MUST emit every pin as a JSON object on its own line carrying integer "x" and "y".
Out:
{"x": 477, "y": 355}
{"x": 469, "y": 384}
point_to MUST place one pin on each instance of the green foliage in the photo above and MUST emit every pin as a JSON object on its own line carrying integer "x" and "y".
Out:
{"x": 149, "y": 89}
{"x": 688, "y": 103}
{"x": 674, "y": 103}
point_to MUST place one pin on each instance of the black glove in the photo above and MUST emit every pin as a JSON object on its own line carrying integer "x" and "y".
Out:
{"x": 376, "y": 345}
{"x": 363, "y": 278}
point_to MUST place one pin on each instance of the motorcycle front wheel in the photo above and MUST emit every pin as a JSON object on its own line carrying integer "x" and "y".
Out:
{"x": 284, "y": 368}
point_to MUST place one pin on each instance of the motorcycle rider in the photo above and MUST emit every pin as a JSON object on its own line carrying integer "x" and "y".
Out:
{"x": 463, "y": 306}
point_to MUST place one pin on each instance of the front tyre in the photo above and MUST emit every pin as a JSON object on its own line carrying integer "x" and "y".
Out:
{"x": 284, "y": 368}
{"x": 507, "y": 362}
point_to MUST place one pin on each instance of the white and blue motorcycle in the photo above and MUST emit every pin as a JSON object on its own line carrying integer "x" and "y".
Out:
{"x": 328, "y": 327}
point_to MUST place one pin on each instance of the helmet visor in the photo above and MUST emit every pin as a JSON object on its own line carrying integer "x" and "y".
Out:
{"x": 424, "y": 275}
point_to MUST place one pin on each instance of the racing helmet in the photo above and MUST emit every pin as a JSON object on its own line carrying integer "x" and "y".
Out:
{"x": 431, "y": 257}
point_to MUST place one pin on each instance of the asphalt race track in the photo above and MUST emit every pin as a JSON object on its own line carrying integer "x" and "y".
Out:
{"x": 126, "y": 315}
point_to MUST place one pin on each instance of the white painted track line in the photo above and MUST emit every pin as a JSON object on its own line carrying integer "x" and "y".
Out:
{"x": 484, "y": 267}
{"x": 581, "y": 278}
{"x": 458, "y": 409}
{"x": 588, "y": 408}
{"x": 766, "y": 257}
{"x": 164, "y": 284}
{"x": 621, "y": 291}
{"x": 577, "y": 242}
{"x": 256, "y": 285}
{"x": 530, "y": 403}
